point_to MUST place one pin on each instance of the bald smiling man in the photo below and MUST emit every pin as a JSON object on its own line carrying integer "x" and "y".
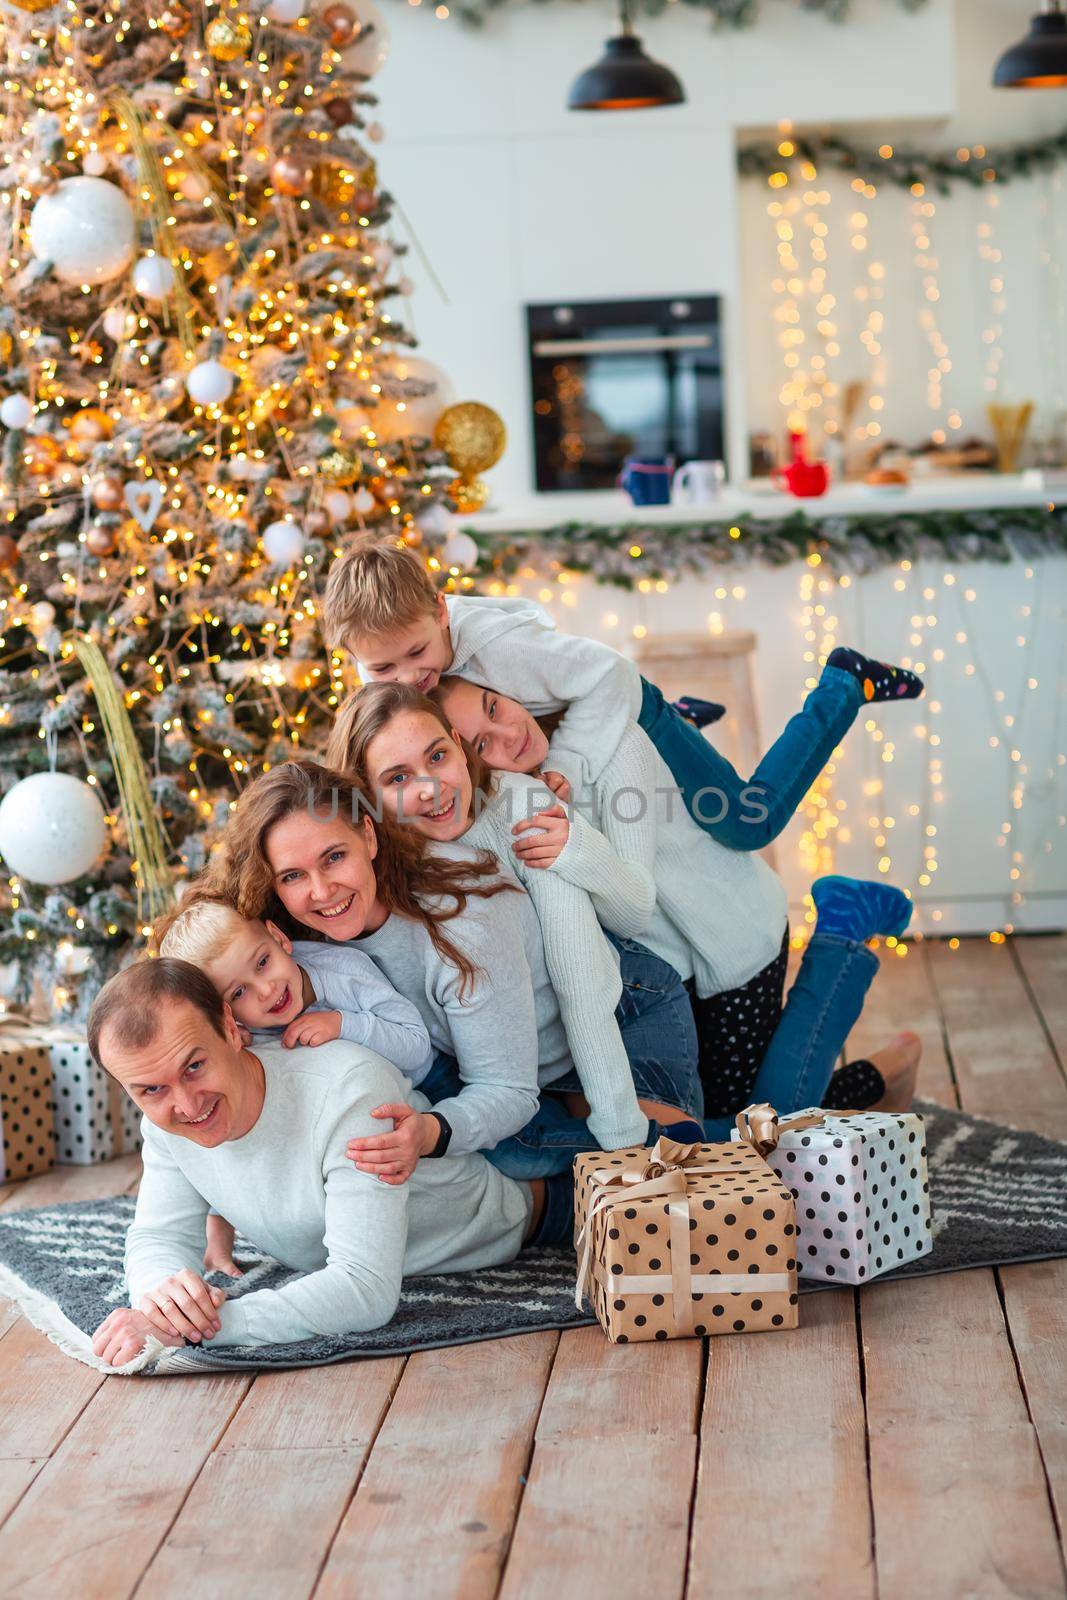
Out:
{"x": 261, "y": 1138}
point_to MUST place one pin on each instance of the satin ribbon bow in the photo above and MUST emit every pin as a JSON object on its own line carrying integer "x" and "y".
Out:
{"x": 761, "y": 1127}
{"x": 664, "y": 1174}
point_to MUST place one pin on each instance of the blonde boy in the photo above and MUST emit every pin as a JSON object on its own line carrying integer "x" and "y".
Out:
{"x": 380, "y": 604}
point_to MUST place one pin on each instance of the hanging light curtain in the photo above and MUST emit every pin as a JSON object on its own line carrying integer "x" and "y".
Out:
{"x": 625, "y": 79}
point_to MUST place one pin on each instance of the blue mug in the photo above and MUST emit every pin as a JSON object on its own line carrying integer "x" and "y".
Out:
{"x": 647, "y": 480}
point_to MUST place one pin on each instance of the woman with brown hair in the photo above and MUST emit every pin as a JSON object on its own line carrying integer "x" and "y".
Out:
{"x": 305, "y": 848}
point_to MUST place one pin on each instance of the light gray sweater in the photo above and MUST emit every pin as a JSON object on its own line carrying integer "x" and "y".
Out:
{"x": 583, "y": 966}
{"x": 514, "y": 647}
{"x": 289, "y": 1188}
{"x": 717, "y": 915}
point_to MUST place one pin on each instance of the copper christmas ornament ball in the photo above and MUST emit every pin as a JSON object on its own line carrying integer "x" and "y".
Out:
{"x": 342, "y": 25}
{"x": 174, "y": 21}
{"x": 107, "y": 492}
{"x": 291, "y": 175}
{"x": 9, "y": 551}
{"x": 100, "y": 541}
{"x": 90, "y": 425}
{"x": 41, "y": 453}
{"x": 228, "y": 40}
{"x": 340, "y": 110}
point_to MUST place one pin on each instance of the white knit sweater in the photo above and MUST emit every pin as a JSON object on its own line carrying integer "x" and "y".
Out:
{"x": 653, "y": 874}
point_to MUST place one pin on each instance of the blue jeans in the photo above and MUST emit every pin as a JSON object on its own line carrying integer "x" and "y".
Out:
{"x": 822, "y": 1007}
{"x": 820, "y": 1012}
{"x": 656, "y": 1022}
{"x": 746, "y": 815}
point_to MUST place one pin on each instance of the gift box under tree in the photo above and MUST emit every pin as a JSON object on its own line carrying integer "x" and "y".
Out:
{"x": 27, "y": 1139}
{"x": 684, "y": 1240}
{"x": 860, "y": 1184}
{"x": 94, "y": 1120}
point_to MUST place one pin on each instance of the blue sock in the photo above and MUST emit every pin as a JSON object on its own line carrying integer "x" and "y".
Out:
{"x": 684, "y": 1132}
{"x": 858, "y": 910}
{"x": 877, "y": 679}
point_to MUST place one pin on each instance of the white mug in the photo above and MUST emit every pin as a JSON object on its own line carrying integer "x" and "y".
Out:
{"x": 698, "y": 483}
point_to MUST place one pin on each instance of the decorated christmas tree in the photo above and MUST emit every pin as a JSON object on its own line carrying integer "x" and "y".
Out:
{"x": 207, "y": 392}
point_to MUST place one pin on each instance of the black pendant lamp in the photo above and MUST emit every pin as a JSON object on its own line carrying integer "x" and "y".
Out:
{"x": 1040, "y": 60}
{"x": 625, "y": 79}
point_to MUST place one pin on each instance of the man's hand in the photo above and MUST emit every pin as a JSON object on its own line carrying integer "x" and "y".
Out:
{"x": 541, "y": 847}
{"x": 558, "y": 784}
{"x": 183, "y": 1305}
{"x": 218, "y": 1257}
{"x": 123, "y": 1335}
{"x": 313, "y": 1027}
{"x": 393, "y": 1157}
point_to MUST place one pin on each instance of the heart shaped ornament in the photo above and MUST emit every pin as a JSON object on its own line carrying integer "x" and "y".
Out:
{"x": 143, "y": 501}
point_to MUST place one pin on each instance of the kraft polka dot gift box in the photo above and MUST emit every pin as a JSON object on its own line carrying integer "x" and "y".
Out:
{"x": 93, "y": 1119}
{"x": 860, "y": 1184}
{"x": 27, "y": 1141}
{"x": 684, "y": 1240}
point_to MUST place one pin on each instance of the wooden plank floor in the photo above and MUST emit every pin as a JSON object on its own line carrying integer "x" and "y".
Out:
{"x": 907, "y": 1442}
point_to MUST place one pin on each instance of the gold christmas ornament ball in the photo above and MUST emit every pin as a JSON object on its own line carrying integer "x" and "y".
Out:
{"x": 107, "y": 492}
{"x": 469, "y": 495}
{"x": 228, "y": 39}
{"x": 33, "y": 6}
{"x": 41, "y": 454}
{"x": 342, "y": 25}
{"x": 291, "y": 175}
{"x": 9, "y": 551}
{"x": 472, "y": 436}
{"x": 100, "y": 541}
{"x": 341, "y": 466}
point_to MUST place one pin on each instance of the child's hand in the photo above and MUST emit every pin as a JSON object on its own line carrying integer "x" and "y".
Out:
{"x": 218, "y": 1257}
{"x": 558, "y": 784}
{"x": 393, "y": 1157}
{"x": 541, "y": 848}
{"x": 313, "y": 1027}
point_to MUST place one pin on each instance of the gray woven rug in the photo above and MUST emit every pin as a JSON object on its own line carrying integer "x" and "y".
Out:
{"x": 998, "y": 1196}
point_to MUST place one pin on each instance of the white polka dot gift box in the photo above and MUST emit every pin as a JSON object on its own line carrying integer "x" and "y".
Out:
{"x": 94, "y": 1120}
{"x": 684, "y": 1240}
{"x": 860, "y": 1184}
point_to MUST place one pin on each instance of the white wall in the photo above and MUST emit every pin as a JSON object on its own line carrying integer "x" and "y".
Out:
{"x": 516, "y": 199}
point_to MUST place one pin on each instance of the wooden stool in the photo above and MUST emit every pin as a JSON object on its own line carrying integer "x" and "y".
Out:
{"x": 712, "y": 666}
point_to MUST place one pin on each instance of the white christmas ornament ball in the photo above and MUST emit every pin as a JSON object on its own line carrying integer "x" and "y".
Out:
{"x": 85, "y": 228}
{"x": 95, "y": 164}
{"x": 436, "y": 521}
{"x": 363, "y": 501}
{"x": 52, "y": 828}
{"x": 283, "y": 542}
{"x": 285, "y": 11}
{"x": 337, "y": 506}
{"x": 351, "y": 421}
{"x": 369, "y": 52}
{"x": 16, "y": 412}
{"x": 209, "y": 383}
{"x": 42, "y": 616}
{"x": 459, "y": 550}
{"x": 119, "y": 323}
{"x": 399, "y": 417}
{"x": 153, "y": 277}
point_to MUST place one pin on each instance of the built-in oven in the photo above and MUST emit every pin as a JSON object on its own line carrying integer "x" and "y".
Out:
{"x": 617, "y": 378}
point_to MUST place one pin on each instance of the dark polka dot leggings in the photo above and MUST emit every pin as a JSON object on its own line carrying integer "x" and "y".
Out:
{"x": 734, "y": 1031}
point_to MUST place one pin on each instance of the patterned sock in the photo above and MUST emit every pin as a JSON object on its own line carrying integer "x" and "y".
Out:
{"x": 858, "y": 910}
{"x": 701, "y": 713}
{"x": 854, "y": 1087}
{"x": 877, "y": 679}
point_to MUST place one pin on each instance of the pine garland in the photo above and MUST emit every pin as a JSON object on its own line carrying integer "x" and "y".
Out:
{"x": 624, "y": 554}
{"x": 721, "y": 13}
{"x": 974, "y": 166}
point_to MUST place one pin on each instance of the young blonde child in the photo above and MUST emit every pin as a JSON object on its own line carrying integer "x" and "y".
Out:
{"x": 310, "y": 993}
{"x": 380, "y": 604}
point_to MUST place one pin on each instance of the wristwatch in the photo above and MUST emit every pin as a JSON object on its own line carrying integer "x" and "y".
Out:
{"x": 444, "y": 1138}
